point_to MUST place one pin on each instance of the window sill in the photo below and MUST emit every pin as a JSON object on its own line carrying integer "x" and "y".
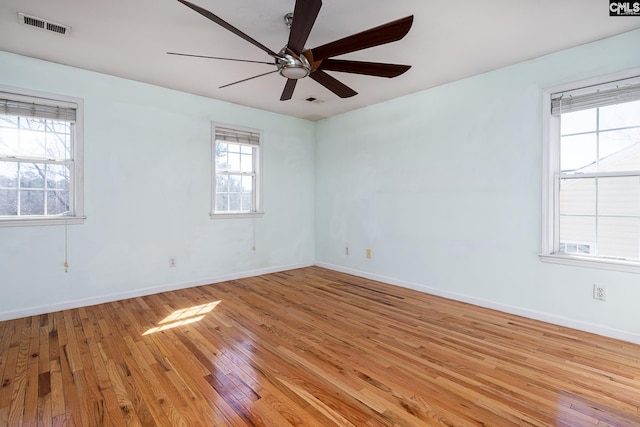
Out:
{"x": 236, "y": 215}
{"x": 35, "y": 221}
{"x": 601, "y": 263}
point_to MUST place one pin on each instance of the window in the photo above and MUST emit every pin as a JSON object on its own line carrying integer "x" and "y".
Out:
{"x": 592, "y": 174}
{"x": 40, "y": 158}
{"x": 236, "y": 172}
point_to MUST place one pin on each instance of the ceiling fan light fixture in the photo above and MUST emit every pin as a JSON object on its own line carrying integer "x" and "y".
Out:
{"x": 293, "y": 67}
{"x": 294, "y": 72}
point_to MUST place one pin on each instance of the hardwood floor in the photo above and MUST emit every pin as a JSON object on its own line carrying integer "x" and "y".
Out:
{"x": 308, "y": 347}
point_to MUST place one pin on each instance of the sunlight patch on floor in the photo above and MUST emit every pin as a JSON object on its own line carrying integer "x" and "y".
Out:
{"x": 184, "y": 316}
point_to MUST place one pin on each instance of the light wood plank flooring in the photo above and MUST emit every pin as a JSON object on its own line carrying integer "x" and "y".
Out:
{"x": 308, "y": 347}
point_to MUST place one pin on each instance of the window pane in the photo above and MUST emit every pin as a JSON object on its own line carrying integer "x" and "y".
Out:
{"x": 58, "y": 146}
{"x": 57, "y": 202}
{"x": 578, "y": 196}
{"x": 619, "y": 196}
{"x": 246, "y": 201}
{"x": 222, "y": 202}
{"x": 31, "y": 202}
{"x": 8, "y": 138}
{"x": 584, "y": 249}
{"x": 221, "y": 156}
{"x": 246, "y": 163}
{"x": 8, "y": 174}
{"x": 246, "y": 149}
{"x": 235, "y": 183}
{"x": 234, "y": 202}
{"x": 58, "y": 177}
{"x": 620, "y": 115}
{"x": 31, "y": 175}
{"x": 222, "y": 183}
{"x": 578, "y": 122}
{"x": 247, "y": 184}
{"x": 33, "y": 123}
{"x": 577, "y": 152}
{"x": 8, "y": 202}
{"x": 578, "y": 229}
{"x": 11, "y": 122}
{"x": 234, "y": 161}
{"x": 620, "y": 150}
{"x": 619, "y": 237}
{"x": 61, "y": 127}
{"x": 31, "y": 143}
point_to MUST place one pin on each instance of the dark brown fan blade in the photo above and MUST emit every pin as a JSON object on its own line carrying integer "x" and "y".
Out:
{"x": 224, "y": 59}
{"x": 248, "y": 78}
{"x": 304, "y": 16}
{"x": 226, "y": 25}
{"x": 386, "y": 33}
{"x": 287, "y": 93}
{"x": 369, "y": 68}
{"x": 339, "y": 88}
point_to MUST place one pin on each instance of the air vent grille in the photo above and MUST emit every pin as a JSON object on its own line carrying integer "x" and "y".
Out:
{"x": 43, "y": 24}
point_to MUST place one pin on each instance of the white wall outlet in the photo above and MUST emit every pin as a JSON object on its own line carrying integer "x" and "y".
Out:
{"x": 346, "y": 250}
{"x": 173, "y": 261}
{"x": 599, "y": 292}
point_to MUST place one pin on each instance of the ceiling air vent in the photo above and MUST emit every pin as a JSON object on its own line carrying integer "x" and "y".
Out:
{"x": 43, "y": 24}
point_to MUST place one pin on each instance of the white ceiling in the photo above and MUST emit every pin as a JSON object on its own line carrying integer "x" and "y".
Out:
{"x": 448, "y": 41}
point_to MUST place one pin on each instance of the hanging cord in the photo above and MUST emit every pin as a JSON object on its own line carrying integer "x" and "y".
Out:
{"x": 254, "y": 234}
{"x": 66, "y": 245}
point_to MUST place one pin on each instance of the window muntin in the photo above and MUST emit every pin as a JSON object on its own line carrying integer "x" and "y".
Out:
{"x": 40, "y": 171}
{"x": 236, "y": 171}
{"x": 594, "y": 170}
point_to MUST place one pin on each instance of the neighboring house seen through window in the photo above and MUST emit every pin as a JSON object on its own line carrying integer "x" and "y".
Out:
{"x": 593, "y": 174}
{"x": 236, "y": 172}
{"x": 40, "y": 158}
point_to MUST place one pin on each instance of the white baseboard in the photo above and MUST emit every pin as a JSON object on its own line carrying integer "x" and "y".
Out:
{"x": 32, "y": 311}
{"x": 519, "y": 311}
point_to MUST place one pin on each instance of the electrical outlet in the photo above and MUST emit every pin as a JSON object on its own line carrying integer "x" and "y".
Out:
{"x": 368, "y": 253}
{"x": 346, "y": 250}
{"x": 599, "y": 292}
{"x": 173, "y": 261}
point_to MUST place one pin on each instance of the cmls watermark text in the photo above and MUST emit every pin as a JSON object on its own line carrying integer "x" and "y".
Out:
{"x": 624, "y": 8}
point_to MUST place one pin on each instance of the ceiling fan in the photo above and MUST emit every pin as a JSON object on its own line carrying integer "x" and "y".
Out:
{"x": 294, "y": 62}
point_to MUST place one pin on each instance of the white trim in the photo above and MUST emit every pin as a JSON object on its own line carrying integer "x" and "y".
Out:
{"x": 550, "y": 193}
{"x": 518, "y": 311}
{"x": 45, "y": 98}
{"x": 85, "y": 302}
{"x": 515, "y": 310}
{"x": 77, "y": 152}
{"x": 24, "y": 221}
{"x": 257, "y": 192}
{"x": 601, "y": 263}
{"x": 233, "y": 215}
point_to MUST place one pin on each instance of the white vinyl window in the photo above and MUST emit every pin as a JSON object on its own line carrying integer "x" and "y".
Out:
{"x": 40, "y": 158}
{"x": 236, "y": 172}
{"x": 592, "y": 174}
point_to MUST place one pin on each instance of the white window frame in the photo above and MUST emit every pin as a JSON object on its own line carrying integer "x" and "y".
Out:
{"x": 257, "y": 194}
{"x": 550, "y": 166}
{"x": 76, "y": 189}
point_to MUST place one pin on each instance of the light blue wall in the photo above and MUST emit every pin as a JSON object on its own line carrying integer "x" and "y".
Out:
{"x": 445, "y": 187}
{"x": 147, "y": 196}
